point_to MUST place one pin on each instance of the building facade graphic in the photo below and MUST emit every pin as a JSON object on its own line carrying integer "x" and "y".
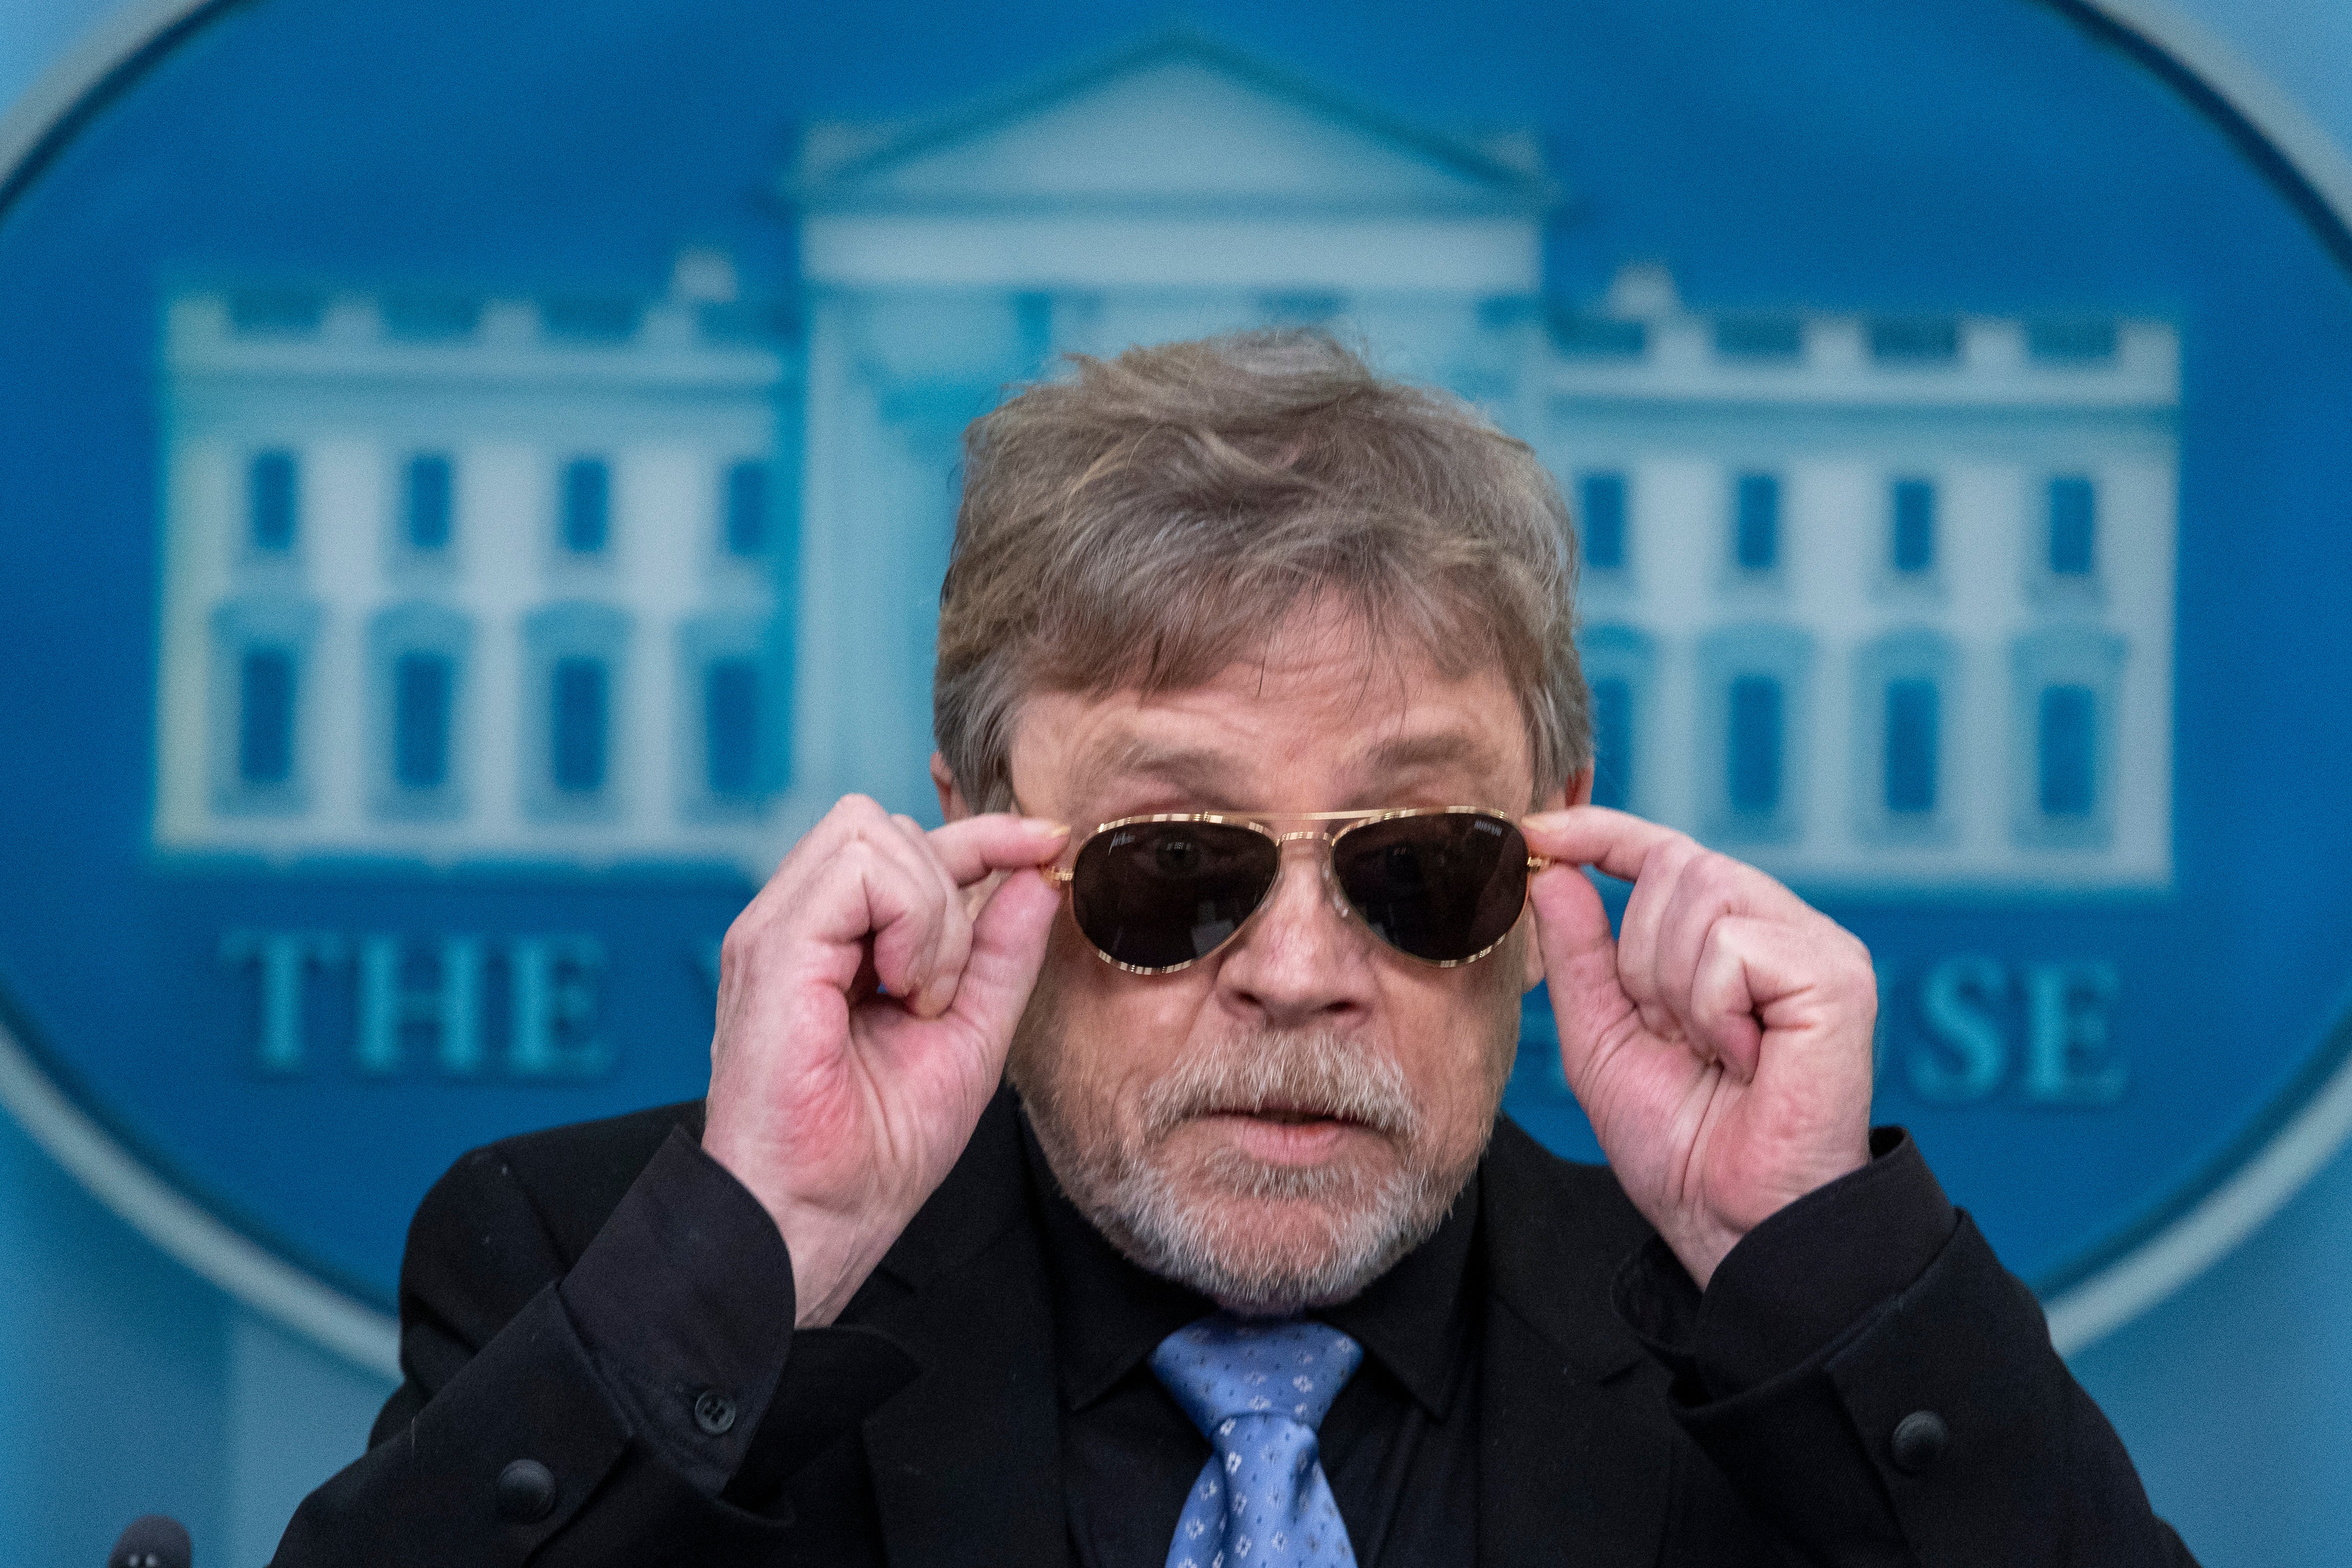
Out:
{"x": 1876, "y": 602}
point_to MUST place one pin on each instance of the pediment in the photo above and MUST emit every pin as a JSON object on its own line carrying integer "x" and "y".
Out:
{"x": 1179, "y": 123}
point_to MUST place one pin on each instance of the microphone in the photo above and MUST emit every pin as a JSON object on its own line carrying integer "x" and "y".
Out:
{"x": 156, "y": 1540}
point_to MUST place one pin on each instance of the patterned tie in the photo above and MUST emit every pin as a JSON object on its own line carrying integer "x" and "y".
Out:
{"x": 1257, "y": 1391}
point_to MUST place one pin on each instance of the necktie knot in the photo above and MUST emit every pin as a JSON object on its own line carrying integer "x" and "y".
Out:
{"x": 1257, "y": 1391}
{"x": 1224, "y": 1366}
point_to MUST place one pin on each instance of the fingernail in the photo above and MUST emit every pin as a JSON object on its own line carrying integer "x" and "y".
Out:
{"x": 1545, "y": 820}
{"x": 935, "y": 998}
{"x": 1053, "y": 829}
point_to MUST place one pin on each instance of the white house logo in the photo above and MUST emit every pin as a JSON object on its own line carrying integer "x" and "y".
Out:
{"x": 1876, "y": 599}
{"x": 492, "y": 616}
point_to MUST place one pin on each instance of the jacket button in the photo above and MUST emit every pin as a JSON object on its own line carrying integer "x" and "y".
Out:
{"x": 526, "y": 1491}
{"x": 714, "y": 1413}
{"x": 1919, "y": 1441}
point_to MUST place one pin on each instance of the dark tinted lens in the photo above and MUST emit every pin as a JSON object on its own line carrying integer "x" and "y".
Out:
{"x": 1440, "y": 887}
{"x": 1156, "y": 894}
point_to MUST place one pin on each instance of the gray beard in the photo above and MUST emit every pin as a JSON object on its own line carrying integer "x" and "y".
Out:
{"x": 1368, "y": 1222}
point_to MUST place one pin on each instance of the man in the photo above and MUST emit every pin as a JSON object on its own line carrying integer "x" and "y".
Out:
{"x": 1137, "y": 1193}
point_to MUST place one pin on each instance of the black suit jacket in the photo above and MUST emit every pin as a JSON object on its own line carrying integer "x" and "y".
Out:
{"x": 1597, "y": 1450}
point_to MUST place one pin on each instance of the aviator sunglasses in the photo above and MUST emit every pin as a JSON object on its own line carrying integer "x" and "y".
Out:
{"x": 1156, "y": 893}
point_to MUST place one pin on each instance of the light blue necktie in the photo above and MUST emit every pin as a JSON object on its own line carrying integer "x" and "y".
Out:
{"x": 1257, "y": 1391}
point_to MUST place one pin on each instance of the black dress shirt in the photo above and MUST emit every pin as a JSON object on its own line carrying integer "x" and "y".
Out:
{"x": 685, "y": 1304}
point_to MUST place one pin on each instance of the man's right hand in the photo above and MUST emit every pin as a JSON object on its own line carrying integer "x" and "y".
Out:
{"x": 864, "y": 1015}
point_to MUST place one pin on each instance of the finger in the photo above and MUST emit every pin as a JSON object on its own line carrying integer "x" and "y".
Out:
{"x": 976, "y": 846}
{"x": 874, "y": 896}
{"x": 1664, "y": 871}
{"x": 786, "y": 888}
{"x": 1722, "y": 1004}
{"x": 943, "y": 968}
{"x": 889, "y": 911}
{"x": 976, "y": 897}
{"x": 1008, "y": 945}
{"x": 1807, "y": 1000}
{"x": 1705, "y": 894}
{"x": 786, "y": 893}
{"x": 1614, "y": 842}
{"x": 1619, "y": 844}
{"x": 912, "y": 950}
{"x": 1579, "y": 967}
{"x": 861, "y": 917}
{"x": 915, "y": 834}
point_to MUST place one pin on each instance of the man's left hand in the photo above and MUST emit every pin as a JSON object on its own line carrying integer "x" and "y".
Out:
{"x": 1720, "y": 1045}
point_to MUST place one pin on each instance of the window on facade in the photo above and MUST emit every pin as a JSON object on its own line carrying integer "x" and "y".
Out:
{"x": 2071, "y": 342}
{"x": 1754, "y": 750}
{"x": 428, "y": 501}
{"x": 265, "y": 716}
{"x": 1915, "y": 526}
{"x": 587, "y": 505}
{"x": 731, "y": 727}
{"x": 1299, "y": 306}
{"x": 271, "y": 501}
{"x": 1613, "y": 742}
{"x": 747, "y": 510}
{"x": 1760, "y": 337}
{"x": 1912, "y": 722}
{"x": 1604, "y": 496}
{"x": 1921, "y": 340}
{"x": 1595, "y": 336}
{"x": 2073, "y": 526}
{"x": 274, "y": 312}
{"x": 421, "y": 689}
{"x": 1756, "y": 528}
{"x": 428, "y": 317}
{"x": 2066, "y": 747}
{"x": 588, "y": 320}
{"x": 577, "y": 732}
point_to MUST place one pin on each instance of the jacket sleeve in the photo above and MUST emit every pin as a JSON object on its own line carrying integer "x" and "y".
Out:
{"x": 590, "y": 1411}
{"x": 1880, "y": 1391}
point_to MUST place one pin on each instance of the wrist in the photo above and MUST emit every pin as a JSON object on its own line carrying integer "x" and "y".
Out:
{"x": 1700, "y": 1241}
{"x": 831, "y": 1250}
{"x": 831, "y": 1258}
{"x": 1700, "y": 1247}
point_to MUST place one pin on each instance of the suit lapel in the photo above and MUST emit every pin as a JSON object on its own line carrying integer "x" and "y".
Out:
{"x": 966, "y": 1459}
{"x": 1577, "y": 1446}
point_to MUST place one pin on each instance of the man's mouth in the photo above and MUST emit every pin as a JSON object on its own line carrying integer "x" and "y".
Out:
{"x": 1284, "y": 1135}
{"x": 1289, "y": 1117}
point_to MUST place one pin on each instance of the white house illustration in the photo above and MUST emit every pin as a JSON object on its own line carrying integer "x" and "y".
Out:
{"x": 1874, "y": 601}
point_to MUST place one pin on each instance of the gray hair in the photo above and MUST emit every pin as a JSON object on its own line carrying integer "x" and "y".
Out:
{"x": 1145, "y": 521}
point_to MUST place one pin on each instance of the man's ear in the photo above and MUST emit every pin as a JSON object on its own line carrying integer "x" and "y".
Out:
{"x": 1580, "y": 789}
{"x": 952, "y": 806}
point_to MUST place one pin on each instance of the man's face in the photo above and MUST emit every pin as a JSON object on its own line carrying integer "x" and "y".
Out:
{"x": 1277, "y": 1123}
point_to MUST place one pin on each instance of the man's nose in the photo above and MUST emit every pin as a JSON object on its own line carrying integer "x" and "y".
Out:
{"x": 1301, "y": 960}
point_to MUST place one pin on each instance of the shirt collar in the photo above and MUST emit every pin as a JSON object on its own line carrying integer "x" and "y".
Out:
{"x": 1111, "y": 1313}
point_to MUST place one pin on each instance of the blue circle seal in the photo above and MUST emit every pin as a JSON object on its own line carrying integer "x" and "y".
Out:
{"x": 474, "y": 486}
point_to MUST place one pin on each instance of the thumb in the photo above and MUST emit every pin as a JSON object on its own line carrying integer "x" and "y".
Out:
{"x": 1579, "y": 965}
{"x": 1008, "y": 946}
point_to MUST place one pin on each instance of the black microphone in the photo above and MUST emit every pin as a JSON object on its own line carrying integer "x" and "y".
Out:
{"x": 157, "y": 1540}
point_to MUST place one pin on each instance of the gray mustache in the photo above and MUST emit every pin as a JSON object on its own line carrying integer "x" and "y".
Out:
{"x": 1317, "y": 1074}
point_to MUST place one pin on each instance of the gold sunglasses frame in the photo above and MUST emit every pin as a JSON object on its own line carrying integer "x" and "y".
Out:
{"x": 1062, "y": 876}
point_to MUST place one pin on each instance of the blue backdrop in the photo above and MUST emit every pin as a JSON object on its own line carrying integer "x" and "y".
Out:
{"x": 2009, "y": 167}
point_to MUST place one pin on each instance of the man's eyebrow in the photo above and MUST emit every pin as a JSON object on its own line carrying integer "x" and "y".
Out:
{"x": 1194, "y": 768}
{"x": 1468, "y": 749}
{"x": 1205, "y": 774}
